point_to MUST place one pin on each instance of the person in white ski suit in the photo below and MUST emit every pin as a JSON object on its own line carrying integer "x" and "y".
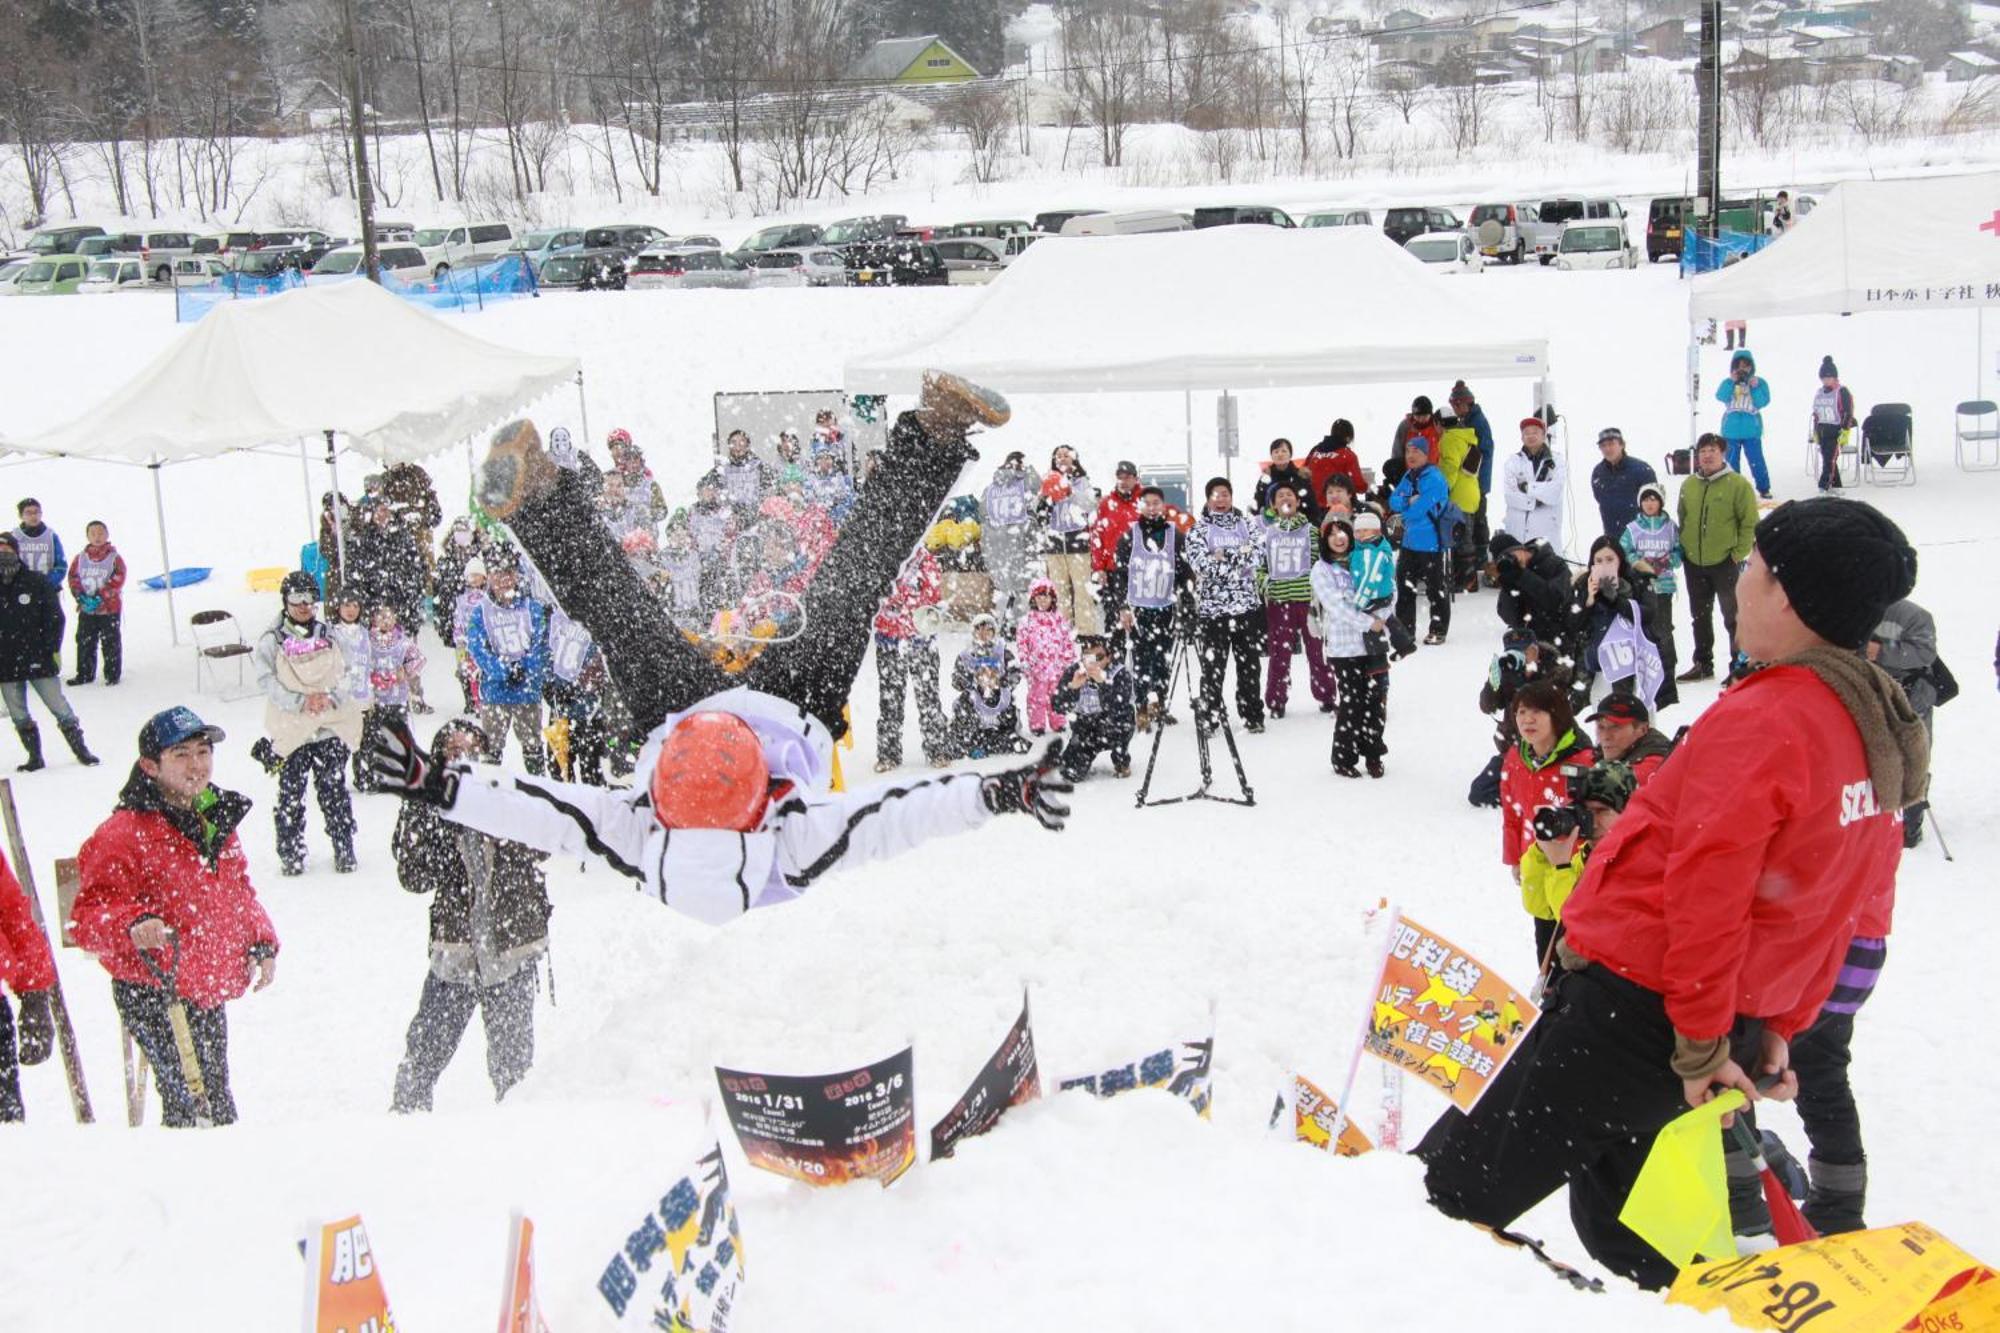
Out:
{"x": 1532, "y": 485}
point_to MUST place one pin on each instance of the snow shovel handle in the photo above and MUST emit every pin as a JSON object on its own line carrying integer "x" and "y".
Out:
{"x": 169, "y": 976}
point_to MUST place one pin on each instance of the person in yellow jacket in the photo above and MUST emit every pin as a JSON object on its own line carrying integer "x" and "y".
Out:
{"x": 1564, "y": 835}
{"x": 1459, "y": 455}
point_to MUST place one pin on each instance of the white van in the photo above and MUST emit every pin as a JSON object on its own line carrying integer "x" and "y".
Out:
{"x": 1133, "y": 223}
{"x": 445, "y": 246}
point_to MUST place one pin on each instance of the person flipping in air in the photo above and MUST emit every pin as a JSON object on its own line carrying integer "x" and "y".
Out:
{"x": 737, "y": 813}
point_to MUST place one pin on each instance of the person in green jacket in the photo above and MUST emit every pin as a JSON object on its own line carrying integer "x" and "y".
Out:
{"x": 1718, "y": 520}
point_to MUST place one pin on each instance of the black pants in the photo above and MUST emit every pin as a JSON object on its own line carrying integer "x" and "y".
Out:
{"x": 903, "y": 666}
{"x": 444, "y": 1011}
{"x": 1545, "y": 935}
{"x": 1828, "y": 439}
{"x": 1360, "y": 717}
{"x": 323, "y": 763}
{"x": 1579, "y": 1104}
{"x": 971, "y": 740}
{"x": 372, "y": 725}
{"x": 589, "y": 737}
{"x": 1659, "y": 626}
{"x": 655, "y": 667}
{"x": 1707, "y": 585}
{"x": 1152, "y": 636}
{"x": 11, "y": 1109}
{"x": 1425, "y": 568}
{"x": 1089, "y": 739}
{"x": 1222, "y": 637}
{"x": 144, "y": 1012}
{"x": 94, "y": 634}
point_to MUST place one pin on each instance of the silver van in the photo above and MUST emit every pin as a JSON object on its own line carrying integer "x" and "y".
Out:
{"x": 1134, "y": 223}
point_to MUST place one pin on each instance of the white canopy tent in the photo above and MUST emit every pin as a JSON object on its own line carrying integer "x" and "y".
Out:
{"x": 1223, "y": 308}
{"x": 347, "y": 359}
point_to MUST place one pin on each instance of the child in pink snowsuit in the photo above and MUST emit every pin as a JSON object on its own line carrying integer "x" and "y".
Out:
{"x": 1046, "y": 643}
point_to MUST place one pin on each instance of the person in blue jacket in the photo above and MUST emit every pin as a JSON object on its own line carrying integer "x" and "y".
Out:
{"x": 1424, "y": 501}
{"x": 1466, "y": 410}
{"x": 1744, "y": 396}
{"x": 508, "y": 638}
{"x": 1616, "y": 482}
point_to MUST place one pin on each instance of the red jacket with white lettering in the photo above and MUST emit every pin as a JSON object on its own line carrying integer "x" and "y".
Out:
{"x": 25, "y": 964}
{"x": 1740, "y": 871}
{"x": 187, "y": 869}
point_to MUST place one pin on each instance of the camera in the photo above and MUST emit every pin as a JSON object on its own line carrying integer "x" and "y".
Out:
{"x": 1553, "y": 823}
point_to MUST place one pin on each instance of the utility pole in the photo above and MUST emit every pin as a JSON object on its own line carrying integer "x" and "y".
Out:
{"x": 364, "y": 190}
{"x": 1708, "y": 126}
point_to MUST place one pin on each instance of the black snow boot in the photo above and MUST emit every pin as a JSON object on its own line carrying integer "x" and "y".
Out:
{"x": 72, "y": 731}
{"x": 31, "y": 741}
{"x": 1838, "y": 1192}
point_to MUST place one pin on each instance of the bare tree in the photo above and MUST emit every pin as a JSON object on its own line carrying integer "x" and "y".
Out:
{"x": 1349, "y": 97}
{"x": 1645, "y": 110}
{"x": 731, "y": 55}
{"x": 1107, "y": 45}
{"x": 1301, "y": 65}
{"x": 1462, "y": 101}
{"x": 981, "y": 113}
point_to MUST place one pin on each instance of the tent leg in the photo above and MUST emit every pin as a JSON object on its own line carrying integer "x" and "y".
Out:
{"x": 305, "y": 472}
{"x": 166, "y": 561}
{"x": 1187, "y": 418}
{"x": 583, "y": 411}
{"x": 339, "y": 525}
{"x": 1693, "y": 383}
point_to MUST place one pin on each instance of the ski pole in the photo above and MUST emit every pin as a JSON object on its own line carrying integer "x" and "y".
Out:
{"x": 1937, "y": 828}
{"x": 177, "y": 1019}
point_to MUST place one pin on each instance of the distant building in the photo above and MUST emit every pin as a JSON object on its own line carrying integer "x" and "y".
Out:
{"x": 906, "y": 60}
{"x": 1965, "y": 66}
{"x": 1665, "y": 40}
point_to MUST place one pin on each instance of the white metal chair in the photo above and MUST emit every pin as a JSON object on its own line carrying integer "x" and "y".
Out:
{"x": 218, "y": 639}
{"x": 1888, "y": 440}
{"x": 1846, "y": 462}
{"x": 1976, "y": 436}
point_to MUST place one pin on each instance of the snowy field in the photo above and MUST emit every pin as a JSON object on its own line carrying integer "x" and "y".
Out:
{"x": 1128, "y": 929}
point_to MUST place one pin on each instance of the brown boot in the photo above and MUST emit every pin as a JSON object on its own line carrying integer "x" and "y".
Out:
{"x": 517, "y": 470}
{"x": 950, "y": 405}
{"x": 1143, "y": 718}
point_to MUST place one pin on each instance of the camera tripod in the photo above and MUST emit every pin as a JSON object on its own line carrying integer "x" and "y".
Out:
{"x": 1182, "y": 671}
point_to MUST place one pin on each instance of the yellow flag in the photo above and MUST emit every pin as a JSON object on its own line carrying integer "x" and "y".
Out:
{"x": 1680, "y": 1203}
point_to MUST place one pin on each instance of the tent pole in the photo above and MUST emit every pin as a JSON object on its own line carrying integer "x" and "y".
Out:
{"x": 166, "y": 561}
{"x": 339, "y": 525}
{"x": 1693, "y": 382}
{"x": 583, "y": 410}
{"x": 305, "y": 472}
{"x": 1187, "y": 417}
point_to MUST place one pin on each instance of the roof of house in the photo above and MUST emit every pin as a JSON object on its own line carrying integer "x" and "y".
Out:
{"x": 1977, "y": 59}
{"x": 892, "y": 55}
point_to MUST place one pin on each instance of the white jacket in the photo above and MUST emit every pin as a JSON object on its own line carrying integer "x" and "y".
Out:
{"x": 1533, "y": 490}
{"x": 716, "y": 875}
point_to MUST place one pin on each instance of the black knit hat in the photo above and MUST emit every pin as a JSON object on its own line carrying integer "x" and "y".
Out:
{"x": 1842, "y": 563}
{"x": 1827, "y": 370}
{"x": 1503, "y": 543}
{"x": 1420, "y": 405}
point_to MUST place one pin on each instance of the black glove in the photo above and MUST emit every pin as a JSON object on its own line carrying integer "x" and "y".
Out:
{"x": 1031, "y": 791}
{"x": 517, "y": 676}
{"x": 403, "y": 770}
{"x": 37, "y": 1028}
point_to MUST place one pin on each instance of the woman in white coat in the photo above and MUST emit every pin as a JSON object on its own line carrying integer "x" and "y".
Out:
{"x": 1532, "y": 486}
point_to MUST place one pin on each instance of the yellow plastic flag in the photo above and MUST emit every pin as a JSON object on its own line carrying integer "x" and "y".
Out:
{"x": 1680, "y": 1203}
{"x": 1903, "y": 1277}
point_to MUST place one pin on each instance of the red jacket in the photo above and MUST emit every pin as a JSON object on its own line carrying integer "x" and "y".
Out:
{"x": 1324, "y": 467}
{"x": 112, "y": 591}
{"x": 1738, "y": 874}
{"x": 145, "y": 861}
{"x": 25, "y": 963}
{"x": 920, "y": 583}
{"x": 1115, "y": 512}
{"x": 1525, "y": 790}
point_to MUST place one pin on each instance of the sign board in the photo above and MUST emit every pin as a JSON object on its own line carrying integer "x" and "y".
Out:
{"x": 1228, "y": 436}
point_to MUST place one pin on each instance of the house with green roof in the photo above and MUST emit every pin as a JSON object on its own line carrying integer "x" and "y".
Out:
{"x": 912, "y": 60}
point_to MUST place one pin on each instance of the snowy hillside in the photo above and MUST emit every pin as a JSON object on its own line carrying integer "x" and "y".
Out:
{"x": 1129, "y": 930}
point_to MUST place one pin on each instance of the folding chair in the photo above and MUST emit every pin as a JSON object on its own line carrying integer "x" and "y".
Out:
{"x": 1888, "y": 437}
{"x": 1976, "y": 436}
{"x": 1846, "y": 460}
{"x": 217, "y": 639}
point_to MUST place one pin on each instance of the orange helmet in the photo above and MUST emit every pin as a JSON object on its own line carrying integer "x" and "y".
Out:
{"x": 711, "y": 774}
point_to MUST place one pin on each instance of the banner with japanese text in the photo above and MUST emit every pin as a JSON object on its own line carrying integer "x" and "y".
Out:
{"x": 680, "y": 1269}
{"x": 1443, "y": 1015}
{"x": 520, "y": 1303}
{"x": 344, "y": 1291}
{"x": 827, "y": 1129}
{"x": 1006, "y": 1080}
{"x": 1901, "y": 1277}
{"x": 1184, "y": 1072}
{"x": 1313, "y": 1117}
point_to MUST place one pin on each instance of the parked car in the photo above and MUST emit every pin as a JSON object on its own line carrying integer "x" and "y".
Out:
{"x": 157, "y": 250}
{"x": 698, "y": 241}
{"x": 805, "y": 267}
{"x": 1051, "y": 223}
{"x": 96, "y": 247}
{"x": 999, "y": 230}
{"x": 233, "y": 241}
{"x": 10, "y": 273}
{"x": 1134, "y": 223}
{"x": 684, "y": 267}
{"x": 1562, "y": 212}
{"x": 783, "y": 236}
{"x": 1017, "y": 244}
{"x": 197, "y": 270}
{"x": 391, "y": 233}
{"x": 58, "y": 240}
{"x": 973, "y": 258}
{"x": 1446, "y": 252}
{"x": 267, "y": 261}
{"x": 631, "y": 237}
{"x": 895, "y": 263}
{"x": 58, "y": 276}
{"x": 1401, "y": 224}
{"x": 584, "y": 271}
{"x": 116, "y": 273}
{"x": 537, "y": 246}
{"x": 405, "y": 261}
{"x": 1665, "y": 221}
{"x": 1596, "y": 245}
{"x": 446, "y": 246}
{"x": 1522, "y": 232}
{"x": 1340, "y": 217}
{"x": 867, "y": 229}
{"x": 1231, "y": 215}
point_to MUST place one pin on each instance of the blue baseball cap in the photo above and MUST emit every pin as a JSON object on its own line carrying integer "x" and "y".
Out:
{"x": 173, "y": 726}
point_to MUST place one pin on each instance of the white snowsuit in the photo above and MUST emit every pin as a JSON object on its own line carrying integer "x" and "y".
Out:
{"x": 716, "y": 875}
{"x": 1533, "y": 490}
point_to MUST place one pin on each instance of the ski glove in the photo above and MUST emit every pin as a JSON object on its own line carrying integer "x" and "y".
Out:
{"x": 37, "y": 1028}
{"x": 517, "y": 676}
{"x": 1035, "y": 790}
{"x": 403, "y": 770}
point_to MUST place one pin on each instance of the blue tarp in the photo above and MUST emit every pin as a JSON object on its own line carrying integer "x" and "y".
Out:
{"x": 469, "y": 289}
{"x": 1705, "y": 254}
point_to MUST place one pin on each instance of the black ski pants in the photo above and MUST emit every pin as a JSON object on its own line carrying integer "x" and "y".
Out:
{"x": 1579, "y": 1104}
{"x": 95, "y": 634}
{"x": 1152, "y": 636}
{"x": 143, "y": 1009}
{"x": 1361, "y": 714}
{"x": 444, "y": 1011}
{"x": 1707, "y": 585}
{"x": 323, "y": 763}
{"x": 660, "y": 672}
{"x": 904, "y": 666}
{"x": 11, "y": 1109}
{"x": 1088, "y": 739}
{"x": 1222, "y": 637}
{"x": 1426, "y": 570}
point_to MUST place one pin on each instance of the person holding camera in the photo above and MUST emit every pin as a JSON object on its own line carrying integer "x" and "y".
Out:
{"x": 1605, "y": 595}
{"x": 1536, "y": 772}
{"x": 1096, "y": 697}
{"x": 1564, "y": 834}
{"x": 1744, "y": 396}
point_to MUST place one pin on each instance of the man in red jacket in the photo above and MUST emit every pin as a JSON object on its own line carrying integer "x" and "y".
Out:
{"x": 165, "y": 877}
{"x": 1713, "y": 921}
{"x": 27, "y": 970}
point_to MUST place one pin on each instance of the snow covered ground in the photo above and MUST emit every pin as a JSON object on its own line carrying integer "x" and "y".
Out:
{"x": 1127, "y": 928}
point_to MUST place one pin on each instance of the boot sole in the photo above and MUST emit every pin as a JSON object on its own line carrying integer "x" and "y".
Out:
{"x": 986, "y": 407}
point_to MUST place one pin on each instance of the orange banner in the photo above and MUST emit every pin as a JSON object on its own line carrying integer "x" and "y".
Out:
{"x": 1313, "y": 1114}
{"x": 1444, "y": 1015}
{"x": 520, "y": 1304}
{"x": 1903, "y": 1277}
{"x": 344, "y": 1291}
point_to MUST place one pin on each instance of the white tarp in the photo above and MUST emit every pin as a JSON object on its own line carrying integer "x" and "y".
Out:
{"x": 1223, "y": 308}
{"x": 1870, "y": 245}
{"x": 398, "y": 383}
